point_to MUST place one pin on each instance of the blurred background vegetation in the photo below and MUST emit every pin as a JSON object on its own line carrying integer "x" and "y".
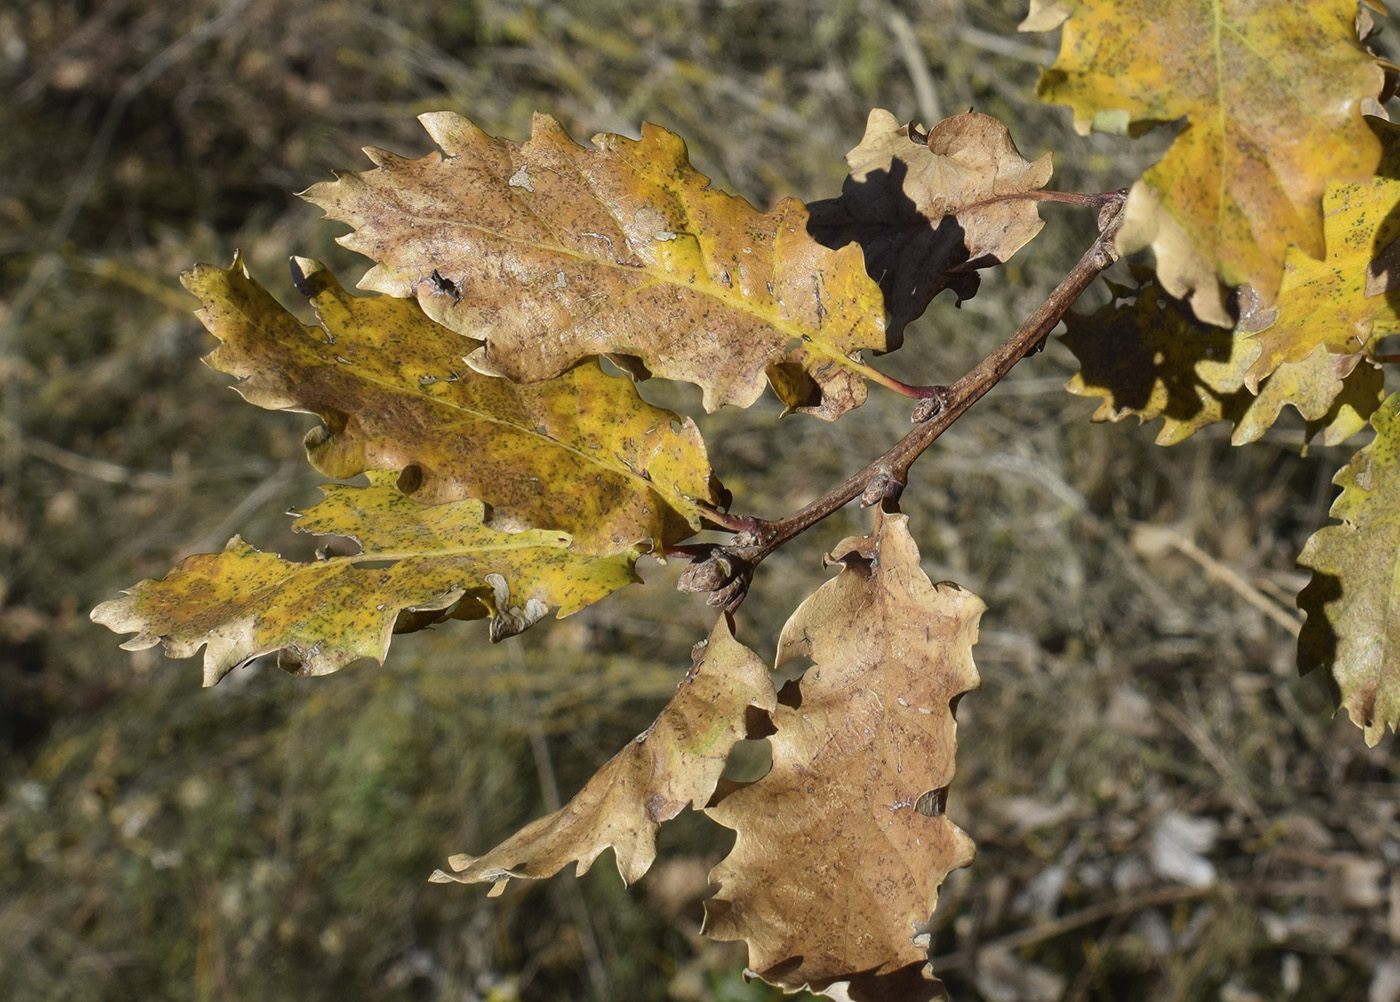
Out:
{"x": 1162, "y": 809}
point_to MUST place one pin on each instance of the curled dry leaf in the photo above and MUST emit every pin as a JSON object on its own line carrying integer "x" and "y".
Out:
{"x": 842, "y": 847}
{"x": 1353, "y": 607}
{"x": 1272, "y": 94}
{"x": 674, "y": 762}
{"x": 549, "y": 252}
{"x": 928, "y": 210}
{"x": 442, "y": 562}
{"x": 581, "y": 453}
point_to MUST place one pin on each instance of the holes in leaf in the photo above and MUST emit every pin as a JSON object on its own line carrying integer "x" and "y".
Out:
{"x": 410, "y": 479}
{"x": 931, "y": 803}
{"x": 757, "y": 723}
{"x": 749, "y": 761}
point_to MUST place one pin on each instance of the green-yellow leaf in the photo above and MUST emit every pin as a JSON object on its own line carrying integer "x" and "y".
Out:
{"x": 674, "y": 762}
{"x": 418, "y": 564}
{"x": 550, "y": 252}
{"x": 842, "y": 846}
{"x": 1353, "y": 599}
{"x": 581, "y": 453}
{"x": 1334, "y": 393}
{"x": 1272, "y": 95}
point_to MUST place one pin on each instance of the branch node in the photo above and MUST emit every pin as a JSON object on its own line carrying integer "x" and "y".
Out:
{"x": 930, "y": 405}
{"x": 887, "y": 484}
{"x": 725, "y": 575}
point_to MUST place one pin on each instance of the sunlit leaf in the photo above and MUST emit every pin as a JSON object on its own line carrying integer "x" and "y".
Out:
{"x": 1353, "y": 599}
{"x": 1272, "y": 97}
{"x": 415, "y": 559}
{"x": 582, "y": 452}
{"x": 550, "y": 252}
{"x": 1336, "y": 303}
{"x": 674, "y": 762}
{"x": 842, "y": 847}
{"x": 930, "y": 209}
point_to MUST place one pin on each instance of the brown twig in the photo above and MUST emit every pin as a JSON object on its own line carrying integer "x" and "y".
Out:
{"x": 724, "y": 571}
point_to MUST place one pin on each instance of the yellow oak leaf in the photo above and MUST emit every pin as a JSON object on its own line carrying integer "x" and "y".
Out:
{"x": 1147, "y": 356}
{"x": 1272, "y": 97}
{"x": 1334, "y": 393}
{"x": 674, "y": 762}
{"x": 1353, "y": 599}
{"x": 842, "y": 846}
{"x": 1150, "y": 358}
{"x": 930, "y": 209}
{"x": 414, "y": 559}
{"x": 581, "y": 453}
{"x": 1333, "y": 303}
{"x": 549, "y": 252}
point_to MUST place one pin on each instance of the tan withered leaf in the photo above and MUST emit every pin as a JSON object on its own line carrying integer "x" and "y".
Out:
{"x": 418, "y": 564}
{"x": 928, "y": 210}
{"x": 1353, "y": 601}
{"x": 674, "y": 762}
{"x": 550, "y": 252}
{"x": 1272, "y": 95}
{"x": 581, "y": 453}
{"x": 842, "y": 847}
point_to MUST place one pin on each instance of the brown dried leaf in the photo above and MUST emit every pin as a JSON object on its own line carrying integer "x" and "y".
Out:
{"x": 928, "y": 210}
{"x": 550, "y": 253}
{"x": 674, "y": 762}
{"x": 842, "y": 847}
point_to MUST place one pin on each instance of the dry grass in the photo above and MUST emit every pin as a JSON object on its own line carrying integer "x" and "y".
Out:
{"x": 269, "y": 839}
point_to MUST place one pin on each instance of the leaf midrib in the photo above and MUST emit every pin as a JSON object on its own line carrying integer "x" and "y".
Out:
{"x": 650, "y": 485}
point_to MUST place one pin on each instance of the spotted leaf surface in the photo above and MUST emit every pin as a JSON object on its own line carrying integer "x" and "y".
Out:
{"x": 1272, "y": 96}
{"x": 581, "y": 453}
{"x": 549, "y": 252}
{"x": 417, "y": 564}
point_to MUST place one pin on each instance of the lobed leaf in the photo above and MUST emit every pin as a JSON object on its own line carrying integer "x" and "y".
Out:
{"x": 1148, "y": 357}
{"x": 1353, "y": 599}
{"x": 581, "y": 453}
{"x": 674, "y": 762}
{"x": 842, "y": 847}
{"x": 930, "y": 209}
{"x": 417, "y": 564}
{"x": 1272, "y": 95}
{"x": 1336, "y": 303}
{"x": 551, "y": 253}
